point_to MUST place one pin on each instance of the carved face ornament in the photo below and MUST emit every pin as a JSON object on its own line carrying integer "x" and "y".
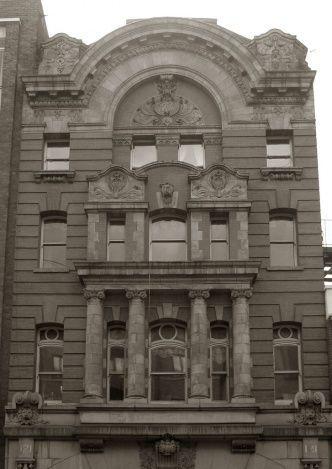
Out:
{"x": 167, "y": 191}
{"x": 218, "y": 180}
{"x": 117, "y": 182}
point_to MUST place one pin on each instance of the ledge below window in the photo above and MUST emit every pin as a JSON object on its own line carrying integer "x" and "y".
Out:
{"x": 52, "y": 271}
{"x": 285, "y": 267}
{"x": 281, "y": 174}
{"x": 54, "y": 176}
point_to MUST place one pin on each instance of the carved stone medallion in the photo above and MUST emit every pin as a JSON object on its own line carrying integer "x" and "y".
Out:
{"x": 218, "y": 184}
{"x": 118, "y": 185}
{"x": 167, "y": 108}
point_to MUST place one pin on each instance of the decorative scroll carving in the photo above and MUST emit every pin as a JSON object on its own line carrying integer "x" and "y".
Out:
{"x": 60, "y": 54}
{"x": 167, "y": 108}
{"x": 116, "y": 184}
{"x": 235, "y": 294}
{"x": 279, "y": 51}
{"x": 136, "y": 294}
{"x": 167, "y": 452}
{"x": 94, "y": 295}
{"x": 199, "y": 294}
{"x": 310, "y": 405}
{"x": 281, "y": 174}
{"x": 27, "y": 405}
{"x": 218, "y": 184}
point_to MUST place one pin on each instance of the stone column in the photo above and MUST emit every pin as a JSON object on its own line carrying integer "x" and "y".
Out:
{"x": 199, "y": 345}
{"x": 241, "y": 346}
{"x": 136, "y": 344}
{"x": 93, "y": 383}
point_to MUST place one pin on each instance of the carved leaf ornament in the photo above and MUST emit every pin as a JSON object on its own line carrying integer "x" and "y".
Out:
{"x": 117, "y": 185}
{"x": 167, "y": 108}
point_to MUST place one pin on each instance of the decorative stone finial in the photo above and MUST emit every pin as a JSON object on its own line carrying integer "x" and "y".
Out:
{"x": 310, "y": 405}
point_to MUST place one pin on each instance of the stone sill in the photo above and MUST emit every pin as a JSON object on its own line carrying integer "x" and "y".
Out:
{"x": 285, "y": 268}
{"x": 54, "y": 176}
{"x": 52, "y": 271}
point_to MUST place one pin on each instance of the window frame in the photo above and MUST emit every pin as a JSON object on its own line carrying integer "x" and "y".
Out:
{"x": 289, "y": 158}
{"x": 284, "y": 342}
{"x": 2, "y": 54}
{"x": 162, "y": 343}
{"x": 220, "y": 219}
{"x": 116, "y": 221}
{"x": 50, "y": 218}
{"x": 184, "y": 241}
{"x": 140, "y": 141}
{"x": 186, "y": 140}
{"x": 284, "y": 216}
{"x": 119, "y": 343}
{"x": 221, "y": 343}
{"x": 44, "y": 343}
{"x": 51, "y": 139}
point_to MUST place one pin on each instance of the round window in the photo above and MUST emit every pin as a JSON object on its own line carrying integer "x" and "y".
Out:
{"x": 167, "y": 332}
{"x": 285, "y": 332}
{"x": 52, "y": 334}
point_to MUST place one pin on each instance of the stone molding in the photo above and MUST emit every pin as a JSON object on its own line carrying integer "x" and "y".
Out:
{"x": 199, "y": 294}
{"x": 136, "y": 294}
{"x": 235, "y": 294}
{"x": 164, "y": 140}
{"x": 54, "y": 176}
{"x": 281, "y": 174}
{"x": 90, "y": 295}
{"x": 310, "y": 405}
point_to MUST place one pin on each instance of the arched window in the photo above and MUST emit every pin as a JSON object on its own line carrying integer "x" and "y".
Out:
{"x": 168, "y": 362}
{"x": 50, "y": 363}
{"x": 168, "y": 240}
{"x": 287, "y": 362}
{"x": 116, "y": 360}
{"x": 53, "y": 242}
{"x": 219, "y": 362}
{"x": 283, "y": 241}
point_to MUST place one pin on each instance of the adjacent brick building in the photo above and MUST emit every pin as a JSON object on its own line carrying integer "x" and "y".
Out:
{"x": 168, "y": 302}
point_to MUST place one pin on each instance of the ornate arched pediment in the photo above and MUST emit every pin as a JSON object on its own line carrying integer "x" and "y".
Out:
{"x": 218, "y": 182}
{"x": 167, "y": 108}
{"x": 116, "y": 184}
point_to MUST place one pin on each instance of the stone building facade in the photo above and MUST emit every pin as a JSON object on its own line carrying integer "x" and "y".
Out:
{"x": 168, "y": 302}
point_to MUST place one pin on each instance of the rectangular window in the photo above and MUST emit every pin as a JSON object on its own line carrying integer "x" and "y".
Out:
{"x": 279, "y": 152}
{"x": 191, "y": 150}
{"x": 219, "y": 368}
{"x": 53, "y": 243}
{"x": 50, "y": 364}
{"x": 2, "y": 51}
{"x": 116, "y": 240}
{"x": 144, "y": 151}
{"x": 116, "y": 363}
{"x": 287, "y": 363}
{"x": 219, "y": 240}
{"x": 168, "y": 241}
{"x": 282, "y": 241}
{"x": 56, "y": 154}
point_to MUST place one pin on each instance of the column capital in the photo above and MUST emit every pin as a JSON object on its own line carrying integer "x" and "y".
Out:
{"x": 94, "y": 294}
{"x": 241, "y": 294}
{"x": 121, "y": 140}
{"x": 212, "y": 139}
{"x": 199, "y": 294}
{"x": 136, "y": 294}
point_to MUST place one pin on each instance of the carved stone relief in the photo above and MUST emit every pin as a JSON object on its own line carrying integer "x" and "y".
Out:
{"x": 167, "y": 197}
{"x": 218, "y": 184}
{"x": 277, "y": 50}
{"x": 167, "y": 108}
{"x": 27, "y": 406}
{"x": 60, "y": 54}
{"x": 117, "y": 185}
{"x": 167, "y": 452}
{"x": 264, "y": 112}
{"x": 310, "y": 405}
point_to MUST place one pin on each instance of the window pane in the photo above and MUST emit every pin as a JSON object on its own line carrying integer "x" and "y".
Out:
{"x": 57, "y": 150}
{"x": 117, "y": 334}
{"x": 280, "y": 147}
{"x": 116, "y": 390}
{"x": 50, "y": 358}
{"x": 116, "y": 231}
{"x": 168, "y": 229}
{"x": 192, "y": 154}
{"x": 282, "y": 255}
{"x": 143, "y": 154}
{"x": 55, "y": 231}
{"x": 173, "y": 251}
{"x": 168, "y": 388}
{"x": 219, "y": 230}
{"x": 168, "y": 359}
{"x": 116, "y": 252}
{"x": 219, "y": 358}
{"x": 286, "y": 385}
{"x": 56, "y": 165}
{"x": 286, "y": 358}
{"x": 219, "y": 388}
{"x": 50, "y": 387}
{"x": 54, "y": 256}
{"x": 219, "y": 251}
{"x": 219, "y": 332}
{"x": 279, "y": 163}
{"x": 282, "y": 230}
{"x": 116, "y": 363}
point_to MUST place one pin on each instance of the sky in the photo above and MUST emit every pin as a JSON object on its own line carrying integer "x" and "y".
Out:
{"x": 90, "y": 20}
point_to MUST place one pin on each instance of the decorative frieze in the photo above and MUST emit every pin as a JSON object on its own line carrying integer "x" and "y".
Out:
{"x": 281, "y": 174}
{"x": 122, "y": 140}
{"x": 309, "y": 405}
{"x": 212, "y": 139}
{"x": 165, "y": 140}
